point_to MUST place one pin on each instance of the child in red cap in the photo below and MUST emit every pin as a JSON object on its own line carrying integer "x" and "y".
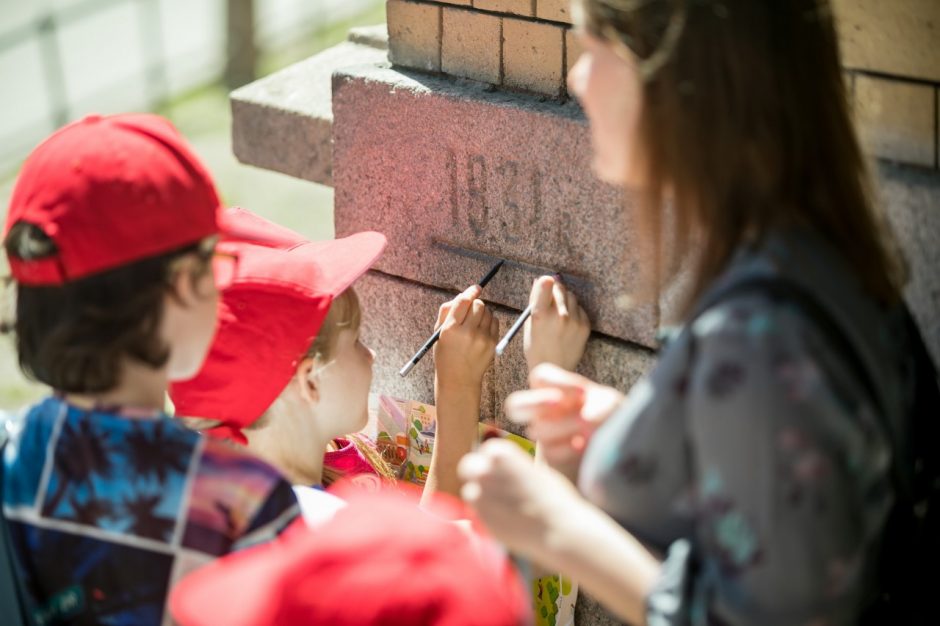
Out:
{"x": 288, "y": 376}
{"x": 110, "y": 237}
{"x": 411, "y": 569}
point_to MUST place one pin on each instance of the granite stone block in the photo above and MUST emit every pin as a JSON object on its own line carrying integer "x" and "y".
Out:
{"x": 911, "y": 196}
{"x": 458, "y": 176}
{"x": 399, "y": 315}
{"x": 397, "y": 318}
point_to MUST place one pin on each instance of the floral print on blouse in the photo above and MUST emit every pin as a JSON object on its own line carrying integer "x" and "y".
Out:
{"x": 752, "y": 459}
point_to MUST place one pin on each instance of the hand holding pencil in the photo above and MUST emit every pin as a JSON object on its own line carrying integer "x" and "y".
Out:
{"x": 433, "y": 339}
{"x": 557, "y": 328}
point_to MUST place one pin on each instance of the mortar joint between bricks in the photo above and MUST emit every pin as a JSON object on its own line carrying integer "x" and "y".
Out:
{"x": 899, "y": 78}
{"x": 502, "y": 52}
{"x": 462, "y": 7}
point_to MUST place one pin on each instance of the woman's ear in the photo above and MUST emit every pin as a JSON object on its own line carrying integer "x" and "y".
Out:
{"x": 307, "y": 378}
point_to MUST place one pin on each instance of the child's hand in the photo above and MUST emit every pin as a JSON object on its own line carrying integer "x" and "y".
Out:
{"x": 562, "y": 410}
{"x": 469, "y": 333}
{"x": 558, "y": 329}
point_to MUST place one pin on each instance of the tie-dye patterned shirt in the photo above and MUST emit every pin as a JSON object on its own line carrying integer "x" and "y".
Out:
{"x": 108, "y": 509}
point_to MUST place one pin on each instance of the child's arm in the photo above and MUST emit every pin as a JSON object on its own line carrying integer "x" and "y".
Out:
{"x": 558, "y": 330}
{"x": 461, "y": 357}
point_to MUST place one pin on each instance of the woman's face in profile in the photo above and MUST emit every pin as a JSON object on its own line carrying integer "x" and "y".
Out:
{"x": 606, "y": 82}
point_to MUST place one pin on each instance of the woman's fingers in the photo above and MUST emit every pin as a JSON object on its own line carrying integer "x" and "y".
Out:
{"x": 551, "y": 375}
{"x": 523, "y": 407}
{"x": 559, "y": 430}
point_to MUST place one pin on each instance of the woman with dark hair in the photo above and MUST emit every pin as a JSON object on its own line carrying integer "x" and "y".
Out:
{"x": 749, "y": 478}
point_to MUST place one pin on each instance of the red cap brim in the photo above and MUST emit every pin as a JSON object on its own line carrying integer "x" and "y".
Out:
{"x": 239, "y": 225}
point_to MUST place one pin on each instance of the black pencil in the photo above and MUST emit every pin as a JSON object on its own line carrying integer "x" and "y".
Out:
{"x": 437, "y": 334}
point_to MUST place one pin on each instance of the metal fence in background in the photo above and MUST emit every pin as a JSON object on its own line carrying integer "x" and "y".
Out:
{"x": 61, "y": 59}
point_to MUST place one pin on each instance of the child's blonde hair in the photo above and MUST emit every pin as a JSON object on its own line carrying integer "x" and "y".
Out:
{"x": 345, "y": 314}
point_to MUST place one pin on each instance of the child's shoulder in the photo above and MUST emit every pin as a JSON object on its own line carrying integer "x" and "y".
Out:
{"x": 236, "y": 499}
{"x": 224, "y": 458}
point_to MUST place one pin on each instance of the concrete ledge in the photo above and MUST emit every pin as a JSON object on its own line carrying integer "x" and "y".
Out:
{"x": 457, "y": 175}
{"x": 284, "y": 121}
{"x": 374, "y": 36}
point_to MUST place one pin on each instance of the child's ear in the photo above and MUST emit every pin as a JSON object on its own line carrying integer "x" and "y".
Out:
{"x": 185, "y": 283}
{"x": 182, "y": 285}
{"x": 308, "y": 380}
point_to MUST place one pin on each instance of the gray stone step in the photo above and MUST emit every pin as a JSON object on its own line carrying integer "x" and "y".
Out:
{"x": 284, "y": 121}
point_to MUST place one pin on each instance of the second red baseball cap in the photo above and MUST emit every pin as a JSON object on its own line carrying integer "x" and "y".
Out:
{"x": 380, "y": 561}
{"x": 270, "y": 312}
{"x": 109, "y": 191}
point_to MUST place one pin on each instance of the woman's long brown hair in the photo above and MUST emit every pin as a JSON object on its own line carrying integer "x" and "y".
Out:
{"x": 746, "y": 127}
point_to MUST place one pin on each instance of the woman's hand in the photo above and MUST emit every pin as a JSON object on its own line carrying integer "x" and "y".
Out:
{"x": 524, "y": 505}
{"x": 562, "y": 410}
{"x": 558, "y": 329}
{"x": 469, "y": 333}
{"x": 538, "y": 514}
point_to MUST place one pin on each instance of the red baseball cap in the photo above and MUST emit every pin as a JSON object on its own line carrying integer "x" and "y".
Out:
{"x": 381, "y": 561}
{"x": 270, "y": 311}
{"x": 109, "y": 191}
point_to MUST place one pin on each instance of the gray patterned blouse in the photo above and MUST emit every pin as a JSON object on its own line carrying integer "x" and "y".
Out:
{"x": 752, "y": 458}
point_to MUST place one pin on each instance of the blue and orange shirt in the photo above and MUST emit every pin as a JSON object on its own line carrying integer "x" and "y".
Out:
{"x": 108, "y": 509}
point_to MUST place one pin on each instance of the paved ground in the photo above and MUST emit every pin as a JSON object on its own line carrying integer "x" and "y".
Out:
{"x": 204, "y": 118}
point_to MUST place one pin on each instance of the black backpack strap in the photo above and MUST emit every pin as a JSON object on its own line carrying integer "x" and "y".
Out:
{"x": 12, "y": 597}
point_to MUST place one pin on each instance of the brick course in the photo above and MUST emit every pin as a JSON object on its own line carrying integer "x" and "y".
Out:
{"x": 414, "y": 34}
{"x": 896, "y": 119}
{"x": 533, "y": 56}
{"x": 506, "y": 7}
{"x": 555, "y": 10}
{"x": 471, "y": 45}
